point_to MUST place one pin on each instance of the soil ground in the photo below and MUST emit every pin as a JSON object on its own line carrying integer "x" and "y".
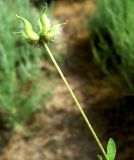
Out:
{"x": 59, "y": 132}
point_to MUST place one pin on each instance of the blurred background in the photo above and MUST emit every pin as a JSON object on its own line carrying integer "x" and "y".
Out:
{"x": 38, "y": 118}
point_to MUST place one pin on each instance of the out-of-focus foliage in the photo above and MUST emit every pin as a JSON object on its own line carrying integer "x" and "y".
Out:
{"x": 21, "y": 89}
{"x": 112, "y": 28}
{"x": 39, "y": 2}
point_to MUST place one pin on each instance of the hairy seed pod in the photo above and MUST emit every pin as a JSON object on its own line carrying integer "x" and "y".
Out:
{"x": 45, "y": 22}
{"x": 28, "y": 31}
{"x": 54, "y": 31}
{"x": 39, "y": 27}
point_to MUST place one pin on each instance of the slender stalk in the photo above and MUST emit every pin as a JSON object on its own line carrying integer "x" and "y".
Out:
{"x": 77, "y": 102}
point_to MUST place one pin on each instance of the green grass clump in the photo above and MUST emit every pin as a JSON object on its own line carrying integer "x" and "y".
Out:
{"x": 112, "y": 29}
{"x": 21, "y": 90}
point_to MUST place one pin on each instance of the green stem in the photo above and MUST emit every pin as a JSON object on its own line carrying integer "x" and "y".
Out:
{"x": 77, "y": 102}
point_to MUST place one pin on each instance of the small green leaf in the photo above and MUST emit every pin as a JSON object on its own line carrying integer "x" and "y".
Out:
{"x": 111, "y": 149}
{"x": 100, "y": 157}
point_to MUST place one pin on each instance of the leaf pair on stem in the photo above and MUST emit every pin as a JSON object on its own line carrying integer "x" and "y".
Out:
{"x": 111, "y": 150}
